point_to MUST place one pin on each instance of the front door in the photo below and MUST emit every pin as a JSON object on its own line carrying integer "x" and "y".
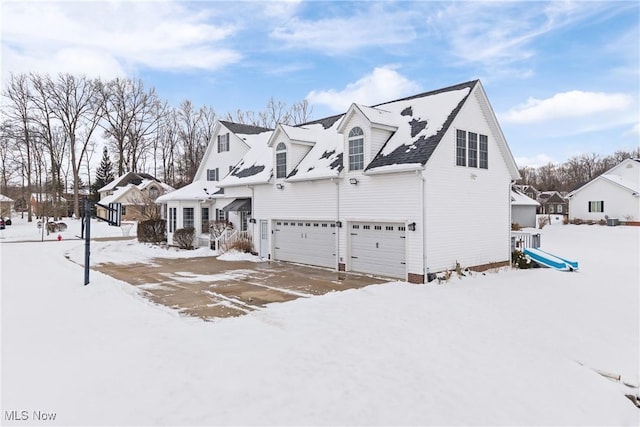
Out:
{"x": 264, "y": 239}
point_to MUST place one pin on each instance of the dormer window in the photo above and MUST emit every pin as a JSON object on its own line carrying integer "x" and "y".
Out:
{"x": 356, "y": 149}
{"x": 281, "y": 160}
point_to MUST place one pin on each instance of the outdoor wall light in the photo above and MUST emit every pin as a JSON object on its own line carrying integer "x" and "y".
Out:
{"x": 412, "y": 226}
{"x": 252, "y": 220}
{"x": 280, "y": 186}
{"x": 339, "y": 224}
{"x": 353, "y": 181}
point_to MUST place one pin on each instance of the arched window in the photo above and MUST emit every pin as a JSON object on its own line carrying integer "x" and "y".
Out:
{"x": 281, "y": 160}
{"x": 356, "y": 149}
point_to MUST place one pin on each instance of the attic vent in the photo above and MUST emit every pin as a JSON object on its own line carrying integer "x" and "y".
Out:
{"x": 407, "y": 112}
{"x": 629, "y": 166}
{"x": 417, "y": 126}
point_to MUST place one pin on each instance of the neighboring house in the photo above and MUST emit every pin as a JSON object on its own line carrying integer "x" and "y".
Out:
{"x": 136, "y": 192}
{"x": 6, "y": 206}
{"x": 528, "y": 190}
{"x": 552, "y": 203}
{"x": 614, "y": 194}
{"x": 203, "y": 201}
{"x": 401, "y": 189}
{"x": 523, "y": 209}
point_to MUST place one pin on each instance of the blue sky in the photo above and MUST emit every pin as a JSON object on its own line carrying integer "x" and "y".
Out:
{"x": 562, "y": 77}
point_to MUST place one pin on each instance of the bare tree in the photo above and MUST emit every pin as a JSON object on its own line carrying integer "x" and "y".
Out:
{"x": 19, "y": 110}
{"x": 75, "y": 103}
{"x": 131, "y": 116}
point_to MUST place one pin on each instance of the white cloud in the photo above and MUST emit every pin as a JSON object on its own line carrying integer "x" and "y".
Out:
{"x": 109, "y": 38}
{"x": 500, "y": 36}
{"x": 337, "y": 35}
{"x": 535, "y": 161}
{"x": 574, "y": 103}
{"x": 383, "y": 84}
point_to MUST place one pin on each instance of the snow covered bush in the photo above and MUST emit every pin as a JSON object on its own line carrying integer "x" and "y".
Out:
{"x": 183, "y": 237}
{"x": 520, "y": 260}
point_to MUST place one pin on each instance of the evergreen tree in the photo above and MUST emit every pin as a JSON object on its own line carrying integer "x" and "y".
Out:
{"x": 104, "y": 175}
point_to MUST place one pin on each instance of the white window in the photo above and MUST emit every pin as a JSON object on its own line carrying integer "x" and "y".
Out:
{"x": 559, "y": 208}
{"x": 223, "y": 143}
{"x": 596, "y": 206}
{"x": 187, "y": 217}
{"x": 461, "y": 148}
{"x": 205, "y": 220}
{"x": 356, "y": 149}
{"x": 281, "y": 160}
{"x": 221, "y": 215}
{"x": 173, "y": 213}
{"x": 213, "y": 175}
{"x": 472, "y": 149}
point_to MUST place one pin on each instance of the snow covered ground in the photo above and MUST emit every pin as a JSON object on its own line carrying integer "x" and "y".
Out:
{"x": 505, "y": 348}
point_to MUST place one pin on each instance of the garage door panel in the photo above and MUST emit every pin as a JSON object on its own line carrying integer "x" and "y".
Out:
{"x": 306, "y": 242}
{"x": 378, "y": 248}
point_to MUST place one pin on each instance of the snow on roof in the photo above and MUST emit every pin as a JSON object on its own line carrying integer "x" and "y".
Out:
{"x": 117, "y": 194}
{"x": 4, "y": 198}
{"x": 421, "y": 122}
{"x": 626, "y": 183}
{"x": 377, "y": 115}
{"x": 520, "y": 199}
{"x": 298, "y": 133}
{"x": 146, "y": 182}
{"x": 197, "y": 190}
{"x": 256, "y": 165}
{"x": 324, "y": 160}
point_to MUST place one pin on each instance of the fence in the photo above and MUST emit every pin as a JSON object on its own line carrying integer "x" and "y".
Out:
{"x": 524, "y": 239}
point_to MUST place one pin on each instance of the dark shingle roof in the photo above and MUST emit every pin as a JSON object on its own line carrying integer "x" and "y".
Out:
{"x": 240, "y": 128}
{"x": 422, "y": 148}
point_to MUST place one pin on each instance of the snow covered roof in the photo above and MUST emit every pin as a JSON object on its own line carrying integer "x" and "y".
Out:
{"x": 138, "y": 178}
{"x": 623, "y": 182}
{"x": 257, "y": 164}
{"x": 421, "y": 122}
{"x": 520, "y": 199}
{"x": 117, "y": 194}
{"x": 5, "y": 199}
{"x": 324, "y": 160}
{"x": 197, "y": 190}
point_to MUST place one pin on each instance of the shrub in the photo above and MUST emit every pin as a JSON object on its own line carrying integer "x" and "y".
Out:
{"x": 602, "y": 222}
{"x": 576, "y": 221}
{"x": 242, "y": 244}
{"x": 520, "y": 260}
{"x": 542, "y": 221}
{"x": 183, "y": 237}
{"x": 152, "y": 231}
{"x": 515, "y": 226}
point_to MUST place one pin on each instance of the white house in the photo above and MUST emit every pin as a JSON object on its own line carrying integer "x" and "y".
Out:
{"x": 401, "y": 189}
{"x": 203, "y": 201}
{"x": 615, "y": 194}
{"x": 523, "y": 209}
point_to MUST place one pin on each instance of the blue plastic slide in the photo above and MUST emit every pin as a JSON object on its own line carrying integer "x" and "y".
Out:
{"x": 549, "y": 260}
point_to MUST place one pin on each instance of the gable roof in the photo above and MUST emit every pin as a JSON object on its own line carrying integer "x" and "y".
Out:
{"x": 418, "y": 123}
{"x": 518, "y": 198}
{"x": 135, "y": 178}
{"x": 256, "y": 165}
{"x": 5, "y": 199}
{"x": 612, "y": 177}
{"x": 244, "y": 129}
{"x": 197, "y": 190}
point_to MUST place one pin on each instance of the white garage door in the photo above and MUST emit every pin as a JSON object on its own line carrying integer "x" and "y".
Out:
{"x": 306, "y": 242}
{"x": 378, "y": 248}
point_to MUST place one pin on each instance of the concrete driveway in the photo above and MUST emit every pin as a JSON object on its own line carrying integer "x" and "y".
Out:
{"x": 208, "y": 288}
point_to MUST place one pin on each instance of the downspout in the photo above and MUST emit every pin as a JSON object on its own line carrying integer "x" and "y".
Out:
{"x": 338, "y": 231}
{"x": 425, "y": 269}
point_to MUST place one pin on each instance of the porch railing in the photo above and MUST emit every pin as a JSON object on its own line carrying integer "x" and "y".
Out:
{"x": 524, "y": 239}
{"x": 226, "y": 238}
